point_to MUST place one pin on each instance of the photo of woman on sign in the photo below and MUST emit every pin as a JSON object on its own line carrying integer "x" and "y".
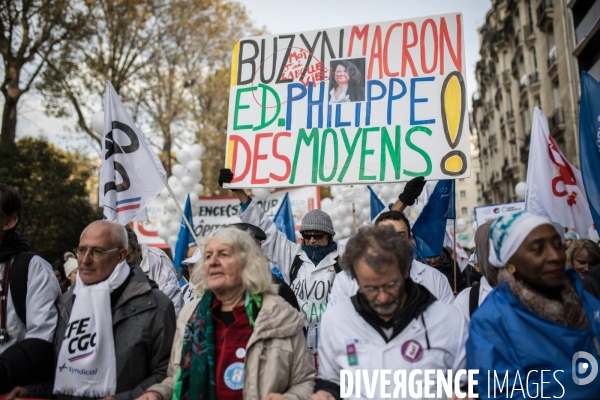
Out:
{"x": 346, "y": 81}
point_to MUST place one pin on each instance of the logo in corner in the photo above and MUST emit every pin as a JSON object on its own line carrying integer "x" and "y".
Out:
{"x": 583, "y": 367}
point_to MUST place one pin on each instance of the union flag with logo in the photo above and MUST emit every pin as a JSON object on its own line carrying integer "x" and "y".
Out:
{"x": 554, "y": 186}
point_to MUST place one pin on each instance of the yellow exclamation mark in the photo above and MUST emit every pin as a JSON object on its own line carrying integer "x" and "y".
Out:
{"x": 453, "y": 111}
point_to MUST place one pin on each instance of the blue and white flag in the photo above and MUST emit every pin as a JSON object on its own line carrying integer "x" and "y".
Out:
{"x": 185, "y": 239}
{"x": 284, "y": 219}
{"x": 429, "y": 229}
{"x": 589, "y": 142}
{"x": 377, "y": 205}
{"x": 130, "y": 174}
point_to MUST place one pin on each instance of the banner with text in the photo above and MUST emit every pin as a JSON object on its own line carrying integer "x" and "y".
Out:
{"x": 486, "y": 213}
{"x": 216, "y": 212}
{"x": 381, "y": 102}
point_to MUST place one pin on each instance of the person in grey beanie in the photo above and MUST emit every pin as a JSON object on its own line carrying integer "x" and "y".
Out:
{"x": 309, "y": 267}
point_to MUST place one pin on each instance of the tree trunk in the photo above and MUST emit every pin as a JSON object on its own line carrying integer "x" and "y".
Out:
{"x": 9, "y": 121}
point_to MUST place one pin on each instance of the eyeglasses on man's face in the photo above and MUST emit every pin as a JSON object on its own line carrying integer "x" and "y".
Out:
{"x": 390, "y": 288}
{"x": 316, "y": 235}
{"x": 95, "y": 252}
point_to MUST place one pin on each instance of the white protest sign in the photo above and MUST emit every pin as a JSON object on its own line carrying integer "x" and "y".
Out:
{"x": 486, "y": 213}
{"x": 216, "y": 212}
{"x": 381, "y": 102}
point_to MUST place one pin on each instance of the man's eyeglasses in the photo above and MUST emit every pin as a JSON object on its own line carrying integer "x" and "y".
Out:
{"x": 94, "y": 253}
{"x": 373, "y": 291}
{"x": 317, "y": 236}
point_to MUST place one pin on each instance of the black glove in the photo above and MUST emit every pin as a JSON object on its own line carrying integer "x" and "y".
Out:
{"x": 225, "y": 176}
{"x": 412, "y": 190}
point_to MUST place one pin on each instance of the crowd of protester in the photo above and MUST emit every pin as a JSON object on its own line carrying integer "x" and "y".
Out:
{"x": 113, "y": 319}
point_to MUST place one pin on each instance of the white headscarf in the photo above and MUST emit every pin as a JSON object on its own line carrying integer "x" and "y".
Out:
{"x": 509, "y": 232}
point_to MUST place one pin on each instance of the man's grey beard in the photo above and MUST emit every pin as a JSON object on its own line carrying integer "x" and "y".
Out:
{"x": 385, "y": 310}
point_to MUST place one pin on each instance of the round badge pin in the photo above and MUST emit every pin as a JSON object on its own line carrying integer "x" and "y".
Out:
{"x": 412, "y": 351}
{"x": 240, "y": 353}
{"x": 234, "y": 376}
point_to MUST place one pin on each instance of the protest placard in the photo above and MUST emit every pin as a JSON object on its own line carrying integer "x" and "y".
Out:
{"x": 216, "y": 212}
{"x": 486, "y": 213}
{"x": 380, "y": 102}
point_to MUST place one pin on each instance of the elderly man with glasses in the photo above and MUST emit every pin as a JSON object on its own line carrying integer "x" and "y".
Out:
{"x": 115, "y": 327}
{"x": 391, "y": 324}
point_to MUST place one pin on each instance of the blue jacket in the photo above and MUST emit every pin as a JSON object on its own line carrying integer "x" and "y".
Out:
{"x": 507, "y": 337}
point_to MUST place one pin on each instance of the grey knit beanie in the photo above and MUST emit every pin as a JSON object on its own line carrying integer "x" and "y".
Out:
{"x": 317, "y": 220}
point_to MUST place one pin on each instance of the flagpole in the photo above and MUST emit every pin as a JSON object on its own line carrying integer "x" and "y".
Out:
{"x": 455, "y": 255}
{"x": 180, "y": 210}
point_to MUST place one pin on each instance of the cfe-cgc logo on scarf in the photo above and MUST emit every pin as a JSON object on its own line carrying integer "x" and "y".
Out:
{"x": 81, "y": 342}
{"x": 412, "y": 351}
{"x": 234, "y": 376}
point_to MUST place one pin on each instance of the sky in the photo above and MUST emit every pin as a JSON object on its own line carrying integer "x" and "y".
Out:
{"x": 286, "y": 16}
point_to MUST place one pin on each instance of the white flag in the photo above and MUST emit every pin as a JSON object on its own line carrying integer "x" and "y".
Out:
{"x": 130, "y": 175}
{"x": 463, "y": 259}
{"x": 554, "y": 187}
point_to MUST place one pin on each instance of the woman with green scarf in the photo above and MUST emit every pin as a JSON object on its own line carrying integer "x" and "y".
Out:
{"x": 238, "y": 339}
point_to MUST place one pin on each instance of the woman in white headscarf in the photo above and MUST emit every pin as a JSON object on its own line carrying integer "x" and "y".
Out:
{"x": 537, "y": 319}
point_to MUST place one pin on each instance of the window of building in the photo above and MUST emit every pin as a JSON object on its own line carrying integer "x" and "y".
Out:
{"x": 479, "y": 195}
{"x": 464, "y": 211}
{"x": 528, "y": 9}
{"x": 463, "y": 194}
{"x": 533, "y": 59}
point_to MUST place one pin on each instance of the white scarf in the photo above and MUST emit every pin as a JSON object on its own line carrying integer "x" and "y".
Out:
{"x": 86, "y": 363}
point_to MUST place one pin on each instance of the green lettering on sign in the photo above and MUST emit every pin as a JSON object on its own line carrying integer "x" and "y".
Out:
{"x": 307, "y": 139}
{"x": 422, "y": 152}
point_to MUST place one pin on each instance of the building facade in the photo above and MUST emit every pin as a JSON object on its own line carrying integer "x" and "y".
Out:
{"x": 526, "y": 61}
{"x": 469, "y": 195}
{"x": 586, "y": 23}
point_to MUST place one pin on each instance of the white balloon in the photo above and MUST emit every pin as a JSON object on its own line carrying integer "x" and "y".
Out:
{"x": 326, "y": 204}
{"x": 164, "y": 194}
{"x": 178, "y": 170}
{"x": 170, "y": 205}
{"x": 174, "y": 227}
{"x": 173, "y": 182}
{"x": 198, "y": 189}
{"x": 163, "y": 232}
{"x": 333, "y": 214}
{"x": 342, "y": 209}
{"x": 195, "y": 175}
{"x": 98, "y": 123}
{"x": 172, "y": 240}
{"x": 261, "y": 193}
{"x": 188, "y": 183}
{"x": 348, "y": 221}
{"x": 346, "y": 232}
{"x": 461, "y": 225}
{"x": 194, "y": 165}
{"x": 337, "y": 200}
{"x": 335, "y": 191}
{"x": 164, "y": 219}
{"x": 520, "y": 190}
{"x": 193, "y": 198}
{"x": 337, "y": 237}
{"x": 183, "y": 156}
{"x": 337, "y": 223}
{"x": 179, "y": 192}
{"x": 366, "y": 214}
{"x": 196, "y": 151}
{"x": 386, "y": 192}
{"x": 396, "y": 189}
{"x": 357, "y": 208}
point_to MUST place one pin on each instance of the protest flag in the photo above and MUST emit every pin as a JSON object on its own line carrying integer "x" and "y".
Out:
{"x": 377, "y": 205}
{"x": 185, "y": 239}
{"x": 284, "y": 219}
{"x": 589, "y": 142}
{"x": 131, "y": 175}
{"x": 554, "y": 187}
{"x": 430, "y": 227}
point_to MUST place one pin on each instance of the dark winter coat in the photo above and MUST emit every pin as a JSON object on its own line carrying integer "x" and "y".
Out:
{"x": 143, "y": 330}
